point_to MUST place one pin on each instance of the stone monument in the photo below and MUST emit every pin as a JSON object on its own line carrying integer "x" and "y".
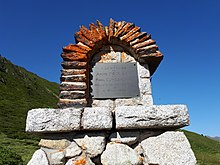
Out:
{"x": 106, "y": 113}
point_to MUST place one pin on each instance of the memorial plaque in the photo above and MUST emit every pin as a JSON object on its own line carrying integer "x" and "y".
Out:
{"x": 115, "y": 80}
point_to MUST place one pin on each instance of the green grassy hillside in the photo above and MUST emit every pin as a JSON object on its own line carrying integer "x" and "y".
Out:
{"x": 207, "y": 151}
{"x": 20, "y": 91}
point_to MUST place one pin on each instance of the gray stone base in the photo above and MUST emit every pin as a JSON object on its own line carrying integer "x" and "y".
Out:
{"x": 131, "y": 135}
{"x": 103, "y": 118}
{"x": 117, "y": 148}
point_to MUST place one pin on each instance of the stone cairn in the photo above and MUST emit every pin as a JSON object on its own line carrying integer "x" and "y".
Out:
{"x": 98, "y": 121}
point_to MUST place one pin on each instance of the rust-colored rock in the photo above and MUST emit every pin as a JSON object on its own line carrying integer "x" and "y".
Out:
{"x": 75, "y": 48}
{"x": 132, "y": 37}
{"x": 155, "y": 54}
{"x": 80, "y": 162}
{"x": 131, "y": 31}
{"x": 79, "y": 37}
{"x": 141, "y": 38}
{"x": 74, "y": 56}
{"x": 69, "y": 72}
{"x": 87, "y": 33}
{"x": 95, "y": 34}
{"x": 73, "y": 64}
{"x": 147, "y": 49}
{"x": 101, "y": 30}
{"x": 111, "y": 28}
{"x": 120, "y": 26}
{"x": 143, "y": 44}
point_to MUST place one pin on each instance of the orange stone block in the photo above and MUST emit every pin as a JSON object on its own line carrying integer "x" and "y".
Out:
{"x": 81, "y": 38}
{"x": 111, "y": 28}
{"x": 123, "y": 29}
{"x": 131, "y": 31}
{"x": 123, "y": 23}
{"x": 132, "y": 37}
{"x": 101, "y": 29}
{"x": 74, "y": 56}
{"x": 74, "y": 48}
{"x": 87, "y": 33}
{"x": 95, "y": 33}
{"x": 73, "y": 65}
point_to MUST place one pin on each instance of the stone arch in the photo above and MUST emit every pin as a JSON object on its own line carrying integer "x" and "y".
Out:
{"x": 74, "y": 88}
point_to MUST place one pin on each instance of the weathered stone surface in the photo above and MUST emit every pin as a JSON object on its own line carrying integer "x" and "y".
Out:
{"x": 157, "y": 116}
{"x": 139, "y": 150}
{"x": 53, "y": 120}
{"x": 126, "y": 137}
{"x": 143, "y": 36}
{"x": 93, "y": 146}
{"x": 80, "y": 38}
{"x": 97, "y": 118}
{"x": 57, "y": 158}
{"x": 131, "y": 31}
{"x": 103, "y": 103}
{"x": 72, "y": 150}
{"x": 68, "y": 72}
{"x": 147, "y": 99}
{"x": 39, "y": 158}
{"x": 76, "y": 103}
{"x": 54, "y": 144}
{"x": 144, "y": 134}
{"x": 112, "y": 54}
{"x": 74, "y": 56}
{"x": 73, "y": 65}
{"x": 168, "y": 148}
{"x": 72, "y": 86}
{"x": 119, "y": 154}
{"x": 145, "y": 86}
{"x": 133, "y": 37}
{"x": 73, "y": 78}
{"x": 127, "y": 102}
{"x": 72, "y": 94}
{"x": 76, "y": 48}
{"x": 143, "y": 71}
{"x": 82, "y": 160}
{"x": 144, "y": 44}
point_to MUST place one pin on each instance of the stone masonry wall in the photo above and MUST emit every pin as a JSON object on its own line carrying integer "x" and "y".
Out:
{"x": 118, "y": 148}
{"x": 75, "y": 78}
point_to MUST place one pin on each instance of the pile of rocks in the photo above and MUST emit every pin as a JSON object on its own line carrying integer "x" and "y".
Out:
{"x": 130, "y": 148}
{"x": 96, "y": 135}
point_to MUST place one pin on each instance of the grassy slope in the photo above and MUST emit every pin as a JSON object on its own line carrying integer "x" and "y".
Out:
{"x": 20, "y": 91}
{"x": 23, "y": 147}
{"x": 207, "y": 151}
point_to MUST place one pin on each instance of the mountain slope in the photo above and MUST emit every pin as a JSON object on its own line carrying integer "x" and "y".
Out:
{"x": 20, "y": 91}
{"x": 207, "y": 151}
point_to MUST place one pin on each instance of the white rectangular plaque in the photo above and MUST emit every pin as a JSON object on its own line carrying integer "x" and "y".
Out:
{"x": 114, "y": 80}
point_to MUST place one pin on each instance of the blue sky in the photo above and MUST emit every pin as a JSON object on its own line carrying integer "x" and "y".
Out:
{"x": 32, "y": 34}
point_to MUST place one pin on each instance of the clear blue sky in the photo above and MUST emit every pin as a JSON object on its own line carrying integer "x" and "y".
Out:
{"x": 33, "y": 32}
